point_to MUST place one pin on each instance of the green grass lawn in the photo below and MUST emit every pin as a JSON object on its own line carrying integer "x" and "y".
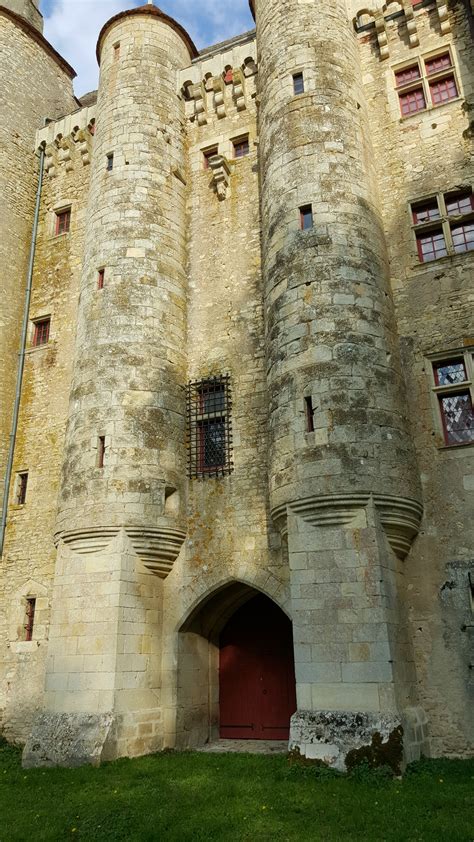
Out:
{"x": 195, "y": 796}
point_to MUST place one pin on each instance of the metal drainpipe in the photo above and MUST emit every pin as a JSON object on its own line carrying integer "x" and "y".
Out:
{"x": 21, "y": 357}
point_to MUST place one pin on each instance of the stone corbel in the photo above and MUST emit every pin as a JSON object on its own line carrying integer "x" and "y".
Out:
{"x": 50, "y": 160}
{"x": 64, "y": 152}
{"x": 381, "y": 32}
{"x": 411, "y": 25}
{"x": 219, "y": 97}
{"x": 198, "y": 94}
{"x": 239, "y": 91}
{"x": 443, "y": 15}
{"x": 220, "y": 175}
{"x": 83, "y": 138}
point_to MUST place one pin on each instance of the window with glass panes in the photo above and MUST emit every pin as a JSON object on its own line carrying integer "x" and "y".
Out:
{"x": 443, "y": 224}
{"x": 453, "y": 396}
{"x": 426, "y": 82}
{"x": 209, "y": 427}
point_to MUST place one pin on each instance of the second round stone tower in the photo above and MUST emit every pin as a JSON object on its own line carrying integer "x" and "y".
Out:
{"x": 343, "y": 481}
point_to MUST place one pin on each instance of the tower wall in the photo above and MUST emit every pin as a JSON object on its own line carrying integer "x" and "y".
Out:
{"x": 118, "y": 522}
{"x": 347, "y": 493}
{"x": 34, "y": 83}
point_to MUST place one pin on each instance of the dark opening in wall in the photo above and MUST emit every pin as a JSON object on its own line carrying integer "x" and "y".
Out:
{"x": 298, "y": 83}
{"x": 21, "y": 486}
{"x": 30, "y": 617}
{"x": 309, "y": 413}
{"x": 100, "y": 451}
{"x": 100, "y": 278}
{"x": 110, "y": 162}
{"x": 306, "y": 217}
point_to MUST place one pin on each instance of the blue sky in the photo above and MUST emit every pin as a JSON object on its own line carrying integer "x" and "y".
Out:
{"x": 72, "y": 26}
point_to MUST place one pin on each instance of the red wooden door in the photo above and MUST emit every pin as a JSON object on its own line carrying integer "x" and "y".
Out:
{"x": 257, "y": 693}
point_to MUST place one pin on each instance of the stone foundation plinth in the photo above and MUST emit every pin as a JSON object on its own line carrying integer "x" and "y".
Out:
{"x": 67, "y": 739}
{"x": 330, "y": 735}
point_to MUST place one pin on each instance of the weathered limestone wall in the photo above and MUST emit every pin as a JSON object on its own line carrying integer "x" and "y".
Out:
{"x": 33, "y": 85}
{"x": 330, "y": 334}
{"x": 29, "y": 556}
{"x": 419, "y": 156}
{"x": 230, "y": 533}
{"x": 28, "y": 9}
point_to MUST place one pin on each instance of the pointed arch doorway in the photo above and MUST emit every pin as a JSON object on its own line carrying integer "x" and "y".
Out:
{"x": 236, "y": 676}
{"x": 256, "y": 673}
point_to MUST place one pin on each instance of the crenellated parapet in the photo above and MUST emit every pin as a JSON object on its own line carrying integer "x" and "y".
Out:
{"x": 221, "y": 84}
{"x": 67, "y": 141}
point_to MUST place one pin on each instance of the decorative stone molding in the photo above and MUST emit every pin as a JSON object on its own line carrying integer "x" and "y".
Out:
{"x": 50, "y": 161}
{"x": 381, "y": 31}
{"x": 83, "y": 139}
{"x": 220, "y": 175}
{"x": 198, "y": 94}
{"x": 411, "y": 25}
{"x": 400, "y": 517}
{"x": 64, "y": 152}
{"x": 156, "y": 547}
{"x": 239, "y": 91}
{"x": 443, "y": 15}
{"x": 219, "y": 97}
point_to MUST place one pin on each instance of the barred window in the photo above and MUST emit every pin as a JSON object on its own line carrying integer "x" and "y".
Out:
{"x": 209, "y": 427}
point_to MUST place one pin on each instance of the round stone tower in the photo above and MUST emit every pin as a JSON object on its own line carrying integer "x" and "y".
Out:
{"x": 125, "y": 460}
{"x": 342, "y": 473}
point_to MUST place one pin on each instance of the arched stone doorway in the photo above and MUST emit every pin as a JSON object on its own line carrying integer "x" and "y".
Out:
{"x": 235, "y": 669}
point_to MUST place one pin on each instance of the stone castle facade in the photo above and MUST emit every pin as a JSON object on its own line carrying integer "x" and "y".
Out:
{"x": 247, "y": 352}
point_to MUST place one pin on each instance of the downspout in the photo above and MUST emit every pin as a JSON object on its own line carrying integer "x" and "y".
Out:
{"x": 21, "y": 357}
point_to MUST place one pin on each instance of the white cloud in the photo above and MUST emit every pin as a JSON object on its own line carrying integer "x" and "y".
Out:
{"x": 72, "y": 27}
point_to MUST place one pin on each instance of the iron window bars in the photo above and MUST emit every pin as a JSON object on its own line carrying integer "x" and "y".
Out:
{"x": 209, "y": 427}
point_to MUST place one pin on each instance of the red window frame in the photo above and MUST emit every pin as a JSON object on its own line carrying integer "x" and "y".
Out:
{"x": 100, "y": 278}
{"x": 241, "y": 147}
{"x": 63, "y": 221}
{"x": 438, "y": 63}
{"x": 22, "y": 485}
{"x": 443, "y": 90}
{"x": 446, "y": 432}
{"x": 438, "y": 243}
{"x": 429, "y": 211}
{"x": 41, "y": 332}
{"x": 306, "y": 217}
{"x": 407, "y": 75}
{"x": 202, "y": 427}
{"x": 411, "y": 102}
{"x": 463, "y": 237}
{"x": 209, "y": 153}
{"x": 459, "y": 204}
{"x": 30, "y": 617}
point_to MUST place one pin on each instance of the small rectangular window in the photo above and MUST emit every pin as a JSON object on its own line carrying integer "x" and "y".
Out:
{"x": 30, "y": 617}
{"x": 100, "y": 451}
{"x": 407, "y": 75}
{"x": 425, "y": 212}
{"x": 298, "y": 83}
{"x": 41, "y": 332}
{"x": 431, "y": 245}
{"x": 209, "y": 427}
{"x": 110, "y": 161}
{"x": 309, "y": 412}
{"x": 443, "y": 90}
{"x": 100, "y": 278}
{"x": 207, "y": 154}
{"x": 438, "y": 63}
{"x": 412, "y": 101}
{"x": 116, "y": 51}
{"x": 306, "y": 217}
{"x": 241, "y": 147}
{"x": 63, "y": 221}
{"x": 452, "y": 386}
{"x": 21, "y": 486}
